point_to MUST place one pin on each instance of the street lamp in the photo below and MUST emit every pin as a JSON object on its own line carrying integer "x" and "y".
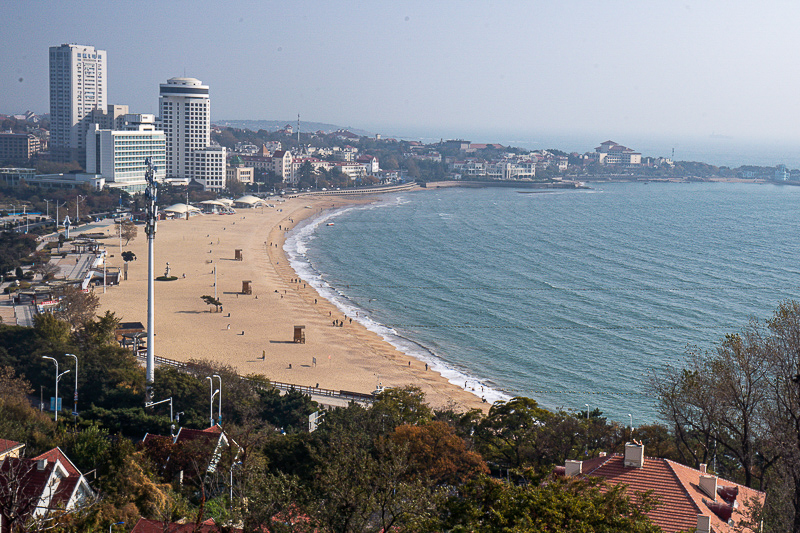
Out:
{"x": 58, "y": 376}
{"x": 587, "y": 411}
{"x": 114, "y": 524}
{"x": 213, "y": 393}
{"x": 75, "y": 410}
{"x": 631, "y": 417}
{"x": 219, "y": 418}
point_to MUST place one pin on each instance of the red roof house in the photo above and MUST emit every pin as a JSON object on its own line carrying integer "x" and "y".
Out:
{"x": 688, "y": 498}
{"x": 31, "y": 490}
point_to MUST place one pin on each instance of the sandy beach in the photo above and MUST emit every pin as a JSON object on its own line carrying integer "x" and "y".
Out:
{"x": 249, "y": 326}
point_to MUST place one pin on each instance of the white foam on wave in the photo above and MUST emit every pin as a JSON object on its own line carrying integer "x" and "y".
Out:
{"x": 296, "y": 248}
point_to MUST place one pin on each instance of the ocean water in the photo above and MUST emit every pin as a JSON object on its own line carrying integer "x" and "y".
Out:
{"x": 568, "y": 297}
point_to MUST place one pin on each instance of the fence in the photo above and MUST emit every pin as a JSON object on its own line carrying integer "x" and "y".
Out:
{"x": 316, "y": 391}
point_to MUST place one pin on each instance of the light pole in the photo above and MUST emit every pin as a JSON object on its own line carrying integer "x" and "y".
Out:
{"x": 78, "y": 199}
{"x": 587, "y": 411}
{"x": 151, "y": 404}
{"x": 211, "y": 399}
{"x": 219, "y": 418}
{"x": 75, "y": 409}
{"x": 631, "y": 417}
{"x": 58, "y": 376}
{"x": 114, "y": 524}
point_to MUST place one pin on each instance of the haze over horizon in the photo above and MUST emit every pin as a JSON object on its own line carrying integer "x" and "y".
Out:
{"x": 536, "y": 71}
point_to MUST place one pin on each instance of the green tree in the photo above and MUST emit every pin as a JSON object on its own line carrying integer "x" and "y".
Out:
{"x": 561, "y": 504}
{"x": 210, "y": 300}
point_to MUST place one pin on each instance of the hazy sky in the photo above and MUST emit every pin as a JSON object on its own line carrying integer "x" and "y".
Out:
{"x": 610, "y": 69}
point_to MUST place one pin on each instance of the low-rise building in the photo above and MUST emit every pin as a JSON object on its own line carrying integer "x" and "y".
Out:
{"x": 208, "y": 167}
{"x": 18, "y": 147}
{"x": 612, "y": 153}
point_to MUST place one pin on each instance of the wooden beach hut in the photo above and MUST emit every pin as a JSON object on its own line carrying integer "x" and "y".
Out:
{"x": 238, "y": 254}
{"x": 247, "y": 288}
{"x": 300, "y": 334}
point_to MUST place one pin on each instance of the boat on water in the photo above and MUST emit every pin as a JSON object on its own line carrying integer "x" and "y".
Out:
{"x": 329, "y": 224}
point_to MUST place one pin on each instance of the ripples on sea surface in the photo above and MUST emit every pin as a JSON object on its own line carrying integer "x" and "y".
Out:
{"x": 569, "y": 297}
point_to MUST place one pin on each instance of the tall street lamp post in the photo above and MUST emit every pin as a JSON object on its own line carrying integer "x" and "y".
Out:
{"x": 58, "y": 376}
{"x": 211, "y": 399}
{"x": 219, "y": 412}
{"x": 75, "y": 398}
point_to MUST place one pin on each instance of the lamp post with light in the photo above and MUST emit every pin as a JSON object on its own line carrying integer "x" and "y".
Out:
{"x": 58, "y": 376}
{"x": 75, "y": 397}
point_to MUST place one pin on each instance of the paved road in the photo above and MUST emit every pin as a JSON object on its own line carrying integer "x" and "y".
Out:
{"x": 24, "y": 315}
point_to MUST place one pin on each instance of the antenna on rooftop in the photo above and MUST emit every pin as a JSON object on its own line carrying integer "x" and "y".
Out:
{"x": 298, "y": 132}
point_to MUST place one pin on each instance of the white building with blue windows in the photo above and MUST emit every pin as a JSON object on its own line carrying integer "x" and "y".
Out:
{"x": 120, "y": 155}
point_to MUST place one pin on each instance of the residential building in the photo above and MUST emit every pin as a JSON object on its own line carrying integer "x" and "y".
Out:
{"x": 207, "y": 166}
{"x": 612, "y": 153}
{"x": 120, "y": 155}
{"x": 78, "y": 87}
{"x": 185, "y": 118}
{"x": 282, "y": 165}
{"x": 687, "y": 498}
{"x": 370, "y": 162}
{"x": 241, "y": 174}
{"x": 110, "y": 118}
{"x": 159, "y": 526}
{"x": 40, "y": 488}
{"x": 18, "y": 147}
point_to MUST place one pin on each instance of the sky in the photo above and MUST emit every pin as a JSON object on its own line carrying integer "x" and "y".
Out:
{"x": 660, "y": 73}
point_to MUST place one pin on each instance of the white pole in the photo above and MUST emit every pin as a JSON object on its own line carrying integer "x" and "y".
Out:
{"x": 215, "y": 281}
{"x": 75, "y": 413}
{"x": 219, "y": 418}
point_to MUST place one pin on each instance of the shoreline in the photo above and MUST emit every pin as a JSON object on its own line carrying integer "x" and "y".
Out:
{"x": 260, "y": 324}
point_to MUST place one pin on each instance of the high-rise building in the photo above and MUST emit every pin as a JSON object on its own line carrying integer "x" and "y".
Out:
{"x": 185, "y": 115}
{"x": 78, "y": 87}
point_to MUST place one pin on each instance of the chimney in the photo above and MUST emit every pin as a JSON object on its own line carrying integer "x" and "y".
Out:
{"x": 41, "y": 464}
{"x": 634, "y": 455}
{"x": 573, "y": 468}
{"x": 703, "y": 524}
{"x": 708, "y": 484}
{"x": 703, "y": 468}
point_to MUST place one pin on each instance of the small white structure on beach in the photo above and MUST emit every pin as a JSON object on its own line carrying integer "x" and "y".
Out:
{"x": 249, "y": 201}
{"x": 180, "y": 210}
{"x": 217, "y": 206}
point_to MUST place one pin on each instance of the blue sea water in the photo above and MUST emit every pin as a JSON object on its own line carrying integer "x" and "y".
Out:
{"x": 568, "y": 297}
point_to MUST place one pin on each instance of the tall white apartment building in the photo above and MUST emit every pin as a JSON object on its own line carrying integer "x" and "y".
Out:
{"x": 78, "y": 87}
{"x": 185, "y": 117}
{"x": 120, "y": 155}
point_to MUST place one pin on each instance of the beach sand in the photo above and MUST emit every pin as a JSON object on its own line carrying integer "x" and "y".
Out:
{"x": 348, "y": 358}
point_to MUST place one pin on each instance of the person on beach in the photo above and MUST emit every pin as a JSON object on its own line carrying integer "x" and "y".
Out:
{"x": 426, "y": 365}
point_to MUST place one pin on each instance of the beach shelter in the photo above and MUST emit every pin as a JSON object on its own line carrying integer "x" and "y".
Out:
{"x": 180, "y": 210}
{"x": 249, "y": 201}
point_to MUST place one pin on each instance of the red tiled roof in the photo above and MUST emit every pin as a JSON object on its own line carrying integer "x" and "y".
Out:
{"x": 156, "y": 526}
{"x": 9, "y": 445}
{"x": 57, "y": 454}
{"x": 675, "y": 486}
{"x": 675, "y": 511}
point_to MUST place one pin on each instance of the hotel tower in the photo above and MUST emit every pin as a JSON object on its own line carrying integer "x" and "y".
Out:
{"x": 78, "y": 87}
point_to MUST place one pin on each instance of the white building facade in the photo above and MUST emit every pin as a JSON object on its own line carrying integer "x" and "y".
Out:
{"x": 185, "y": 118}
{"x": 208, "y": 167}
{"x": 78, "y": 87}
{"x": 120, "y": 155}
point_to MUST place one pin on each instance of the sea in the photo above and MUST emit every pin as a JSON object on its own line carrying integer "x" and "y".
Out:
{"x": 572, "y": 297}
